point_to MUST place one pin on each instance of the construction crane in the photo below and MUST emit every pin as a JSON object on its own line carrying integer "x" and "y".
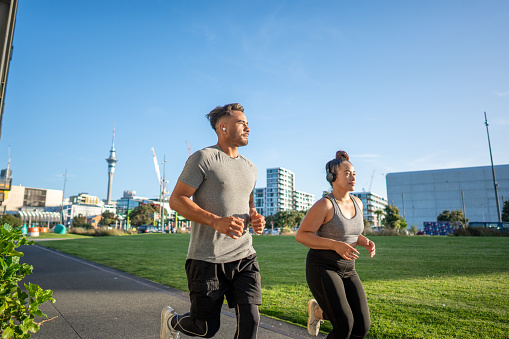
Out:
{"x": 371, "y": 182}
{"x": 162, "y": 186}
{"x": 156, "y": 166}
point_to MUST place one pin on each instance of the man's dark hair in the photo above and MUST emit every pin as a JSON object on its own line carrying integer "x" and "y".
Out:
{"x": 221, "y": 111}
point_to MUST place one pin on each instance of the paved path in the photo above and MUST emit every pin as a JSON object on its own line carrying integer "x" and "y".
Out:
{"x": 94, "y": 301}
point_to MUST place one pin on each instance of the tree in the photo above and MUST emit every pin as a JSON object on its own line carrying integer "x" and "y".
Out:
{"x": 11, "y": 220}
{"x": 79, "y": 221}
{"x": 505, "y": 211}
{"x": 414, "y": 229}
{"x": 455, "y": 216}
{"x": 366, "y": 222}
{"x": 286, "y": 219}
{"x": 392, "y": 218}
{"x": 380, "y": 214}
{"x": 108, "y": 218}
{"x": 141, "y": 215}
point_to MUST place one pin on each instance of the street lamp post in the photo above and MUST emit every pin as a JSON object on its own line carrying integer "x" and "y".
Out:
{"x": 161, "y": 196}
{"x": 495, "y": 185}
{"x": 63, "y": 193}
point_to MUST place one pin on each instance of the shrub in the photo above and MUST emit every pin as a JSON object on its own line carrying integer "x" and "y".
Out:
{"x": 183, "y": 230}
{"x": 287, "y": 231}
{"x": 390, "y": 232}
{"x": 480, "y": 232}
{"x": 16, "y": 313}
{"x": 99, "y": 232}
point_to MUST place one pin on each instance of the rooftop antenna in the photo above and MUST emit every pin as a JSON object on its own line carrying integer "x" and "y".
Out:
{"x": 495, "y": 185}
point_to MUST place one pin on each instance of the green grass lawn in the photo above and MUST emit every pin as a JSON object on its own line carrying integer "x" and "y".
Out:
{"x": 57, "y": 236}
{"x": 417, "y": 287}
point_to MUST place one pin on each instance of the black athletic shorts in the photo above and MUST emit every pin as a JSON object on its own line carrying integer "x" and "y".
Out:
{"x": 209, "y": 283}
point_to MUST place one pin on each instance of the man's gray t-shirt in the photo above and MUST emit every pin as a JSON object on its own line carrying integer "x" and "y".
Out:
{"x": 223, "y": 187}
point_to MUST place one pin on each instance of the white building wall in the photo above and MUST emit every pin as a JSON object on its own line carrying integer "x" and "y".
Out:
{"x": 421, "y": 196}
{"x": 17, "y": 194}
{"x": 54, "y": 197}
{"x": 303, "y": 201}
{"x": 15, "y": 200}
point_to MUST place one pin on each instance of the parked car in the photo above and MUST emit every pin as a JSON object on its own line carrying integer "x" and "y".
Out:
{"x": 147, "y": 229}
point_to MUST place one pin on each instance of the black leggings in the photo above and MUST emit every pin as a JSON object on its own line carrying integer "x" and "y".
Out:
{"x": 339, "y": 292}
{"x": 248, "y": 320}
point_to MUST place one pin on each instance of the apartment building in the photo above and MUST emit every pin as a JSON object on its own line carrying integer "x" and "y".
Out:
{"x": 372, "y": 202}
{"x": 280, "y": 194}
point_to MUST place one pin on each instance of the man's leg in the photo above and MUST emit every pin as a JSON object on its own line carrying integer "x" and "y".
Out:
{"x": 206, "y": 294}
{"x": 248, "y": 320}
{"x": 195, "y": 327}
{"x": 245, "y": 295}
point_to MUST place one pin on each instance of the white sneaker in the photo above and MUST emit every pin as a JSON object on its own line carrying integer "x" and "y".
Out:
{"x": 167, "y": 331}
{"x": 313, "y": 322}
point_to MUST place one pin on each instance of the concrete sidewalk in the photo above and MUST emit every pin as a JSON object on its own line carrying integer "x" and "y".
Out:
{"x": 94, "y": 301}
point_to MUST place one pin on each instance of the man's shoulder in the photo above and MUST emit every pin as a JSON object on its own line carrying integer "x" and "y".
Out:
{"x": 208, "y": 150}
{"x": 247, "y": 160}
{"x": 204, "y": 153}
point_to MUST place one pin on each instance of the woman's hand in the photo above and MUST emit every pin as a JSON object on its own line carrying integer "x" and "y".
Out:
{"x": 345, "y": 250}
{"x": 370, "y": 246}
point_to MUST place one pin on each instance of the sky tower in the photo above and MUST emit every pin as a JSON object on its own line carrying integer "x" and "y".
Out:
{"x": 111, "y": 168}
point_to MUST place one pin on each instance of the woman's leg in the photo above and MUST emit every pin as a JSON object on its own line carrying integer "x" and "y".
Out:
{"x": 335, "y": 304}
{"x": 358, "y": 304}
{"x": 326, "y": 285}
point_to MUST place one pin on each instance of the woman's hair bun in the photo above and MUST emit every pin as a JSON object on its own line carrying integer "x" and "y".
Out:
{"x": 342, "y": 155}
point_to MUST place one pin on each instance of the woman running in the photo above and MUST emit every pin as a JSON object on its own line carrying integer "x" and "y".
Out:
{"x": 331, "y": 229}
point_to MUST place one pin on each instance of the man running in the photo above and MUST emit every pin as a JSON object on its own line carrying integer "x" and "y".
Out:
{"x": 221, "y": 260}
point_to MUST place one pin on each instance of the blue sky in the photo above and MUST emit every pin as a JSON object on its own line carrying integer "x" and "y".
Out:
{"x": 399, "y": 85}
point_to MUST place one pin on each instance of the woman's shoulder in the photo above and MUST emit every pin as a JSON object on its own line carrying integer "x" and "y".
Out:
{"x": 324, "y": 204}
{"x": 357, "y": 200}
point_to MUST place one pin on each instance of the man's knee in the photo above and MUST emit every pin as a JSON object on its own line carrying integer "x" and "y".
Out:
{"x": 212, "y": 328}
{"x": 196, "y": 327}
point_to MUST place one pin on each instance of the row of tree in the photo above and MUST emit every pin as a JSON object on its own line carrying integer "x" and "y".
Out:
{"x": 389, "y": 218}
{"x": 141, "y": 215}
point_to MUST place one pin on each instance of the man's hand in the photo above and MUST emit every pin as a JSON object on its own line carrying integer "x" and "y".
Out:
{"x": 231, "y": 226}
{"x": 257, "y": 222}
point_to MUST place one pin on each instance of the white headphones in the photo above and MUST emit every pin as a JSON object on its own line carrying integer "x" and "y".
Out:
{"x": 224, "y": 128}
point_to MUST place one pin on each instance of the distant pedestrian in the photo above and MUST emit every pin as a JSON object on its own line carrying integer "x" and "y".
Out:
{"x": 331, "y": 229}
{"x": 221, "y": 260}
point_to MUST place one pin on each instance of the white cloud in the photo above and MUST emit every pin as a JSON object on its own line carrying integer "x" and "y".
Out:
{"x": 502, "y": 94}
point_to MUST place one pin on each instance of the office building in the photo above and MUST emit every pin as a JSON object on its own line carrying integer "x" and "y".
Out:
{"x": 422, "y": 195}
{"x": 280, "y": 194}
{"x": 84, "y": 199}
{"x": 30, "y": 197}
